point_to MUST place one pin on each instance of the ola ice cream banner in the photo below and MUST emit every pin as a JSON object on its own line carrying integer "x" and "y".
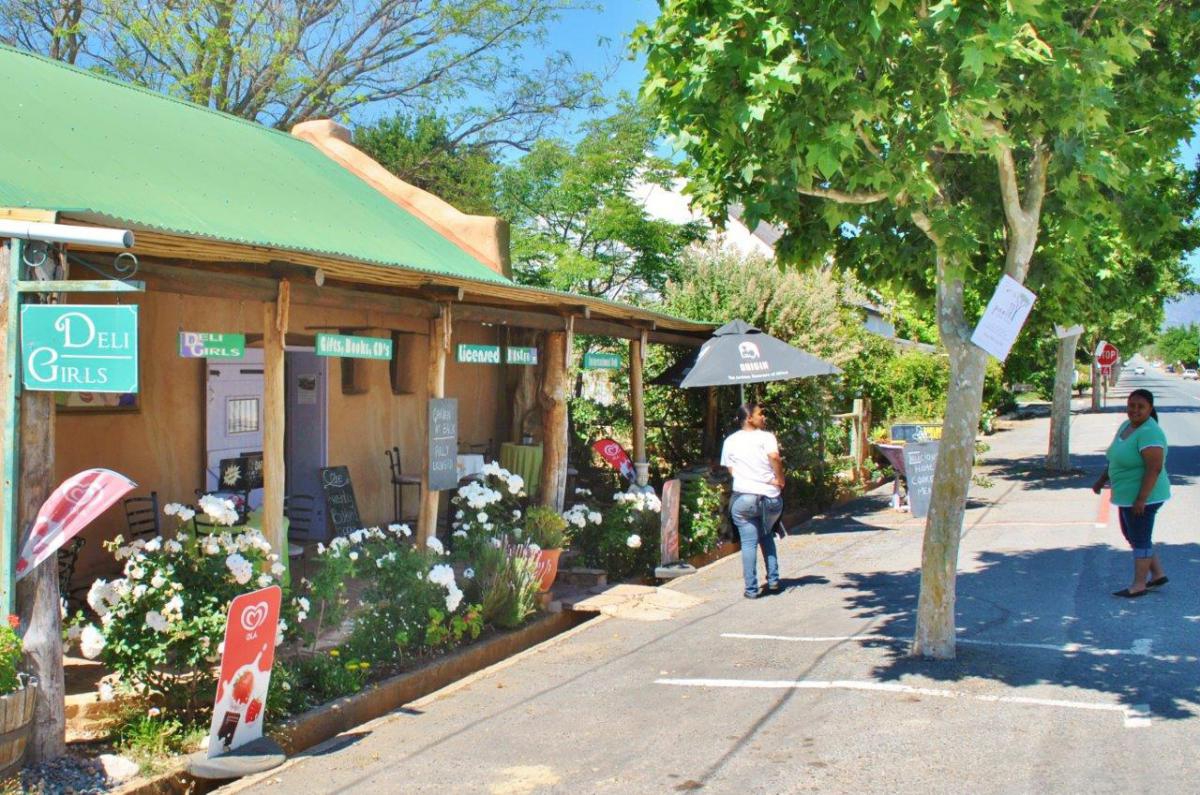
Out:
{"x": 615, "y": 455}
{"x": 250, "y": 631}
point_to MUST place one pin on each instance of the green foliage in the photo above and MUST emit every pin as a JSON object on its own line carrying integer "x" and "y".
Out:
{"x": 10, "y": 656}
{"x": 148, "y": 739}
{"x": 915, "y": 383}
{"x": 546, "y": 527}
{"x": 505, "y": 584}
{"x": 323, "y": 677}
{"x": 701, "y": 504}
{"x": 576, "y": 226}
{"x": 1179, "y": 344}
{"x": 422, "y": 152}
{"x": 626, "y": 542}
{"x": 443, "y": 632}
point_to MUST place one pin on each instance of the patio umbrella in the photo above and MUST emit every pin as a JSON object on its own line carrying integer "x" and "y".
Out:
{"x": 740, "y": 354}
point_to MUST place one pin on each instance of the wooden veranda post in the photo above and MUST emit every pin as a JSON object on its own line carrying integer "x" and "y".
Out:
{"x": 553, "y": 399}
{"x": 275, "y": 322}
{"x": 637, "y": 403}
{"x": 37, "y": 596}
{"x": 711, "y": 441}
{"x": 440, "y": 329}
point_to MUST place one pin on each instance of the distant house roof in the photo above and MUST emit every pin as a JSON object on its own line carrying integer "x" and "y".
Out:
{"x": 81, "y": 143}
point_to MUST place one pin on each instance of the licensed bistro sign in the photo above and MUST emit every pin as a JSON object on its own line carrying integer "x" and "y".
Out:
{"x": 73, "y": 348}
{"x": 478, "y": 354}
{"x": 349, "y": 347}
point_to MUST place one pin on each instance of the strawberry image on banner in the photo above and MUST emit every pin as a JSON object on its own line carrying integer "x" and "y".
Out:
{"x": 250, "y": 634}
{"x": 617, "y": 458}
{"x": 73, "y": 506}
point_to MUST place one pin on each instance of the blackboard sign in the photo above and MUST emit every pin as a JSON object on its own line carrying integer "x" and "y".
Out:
{"x": 340, "y": 505}
{"x": 443, "y": 443}
{"x": 919, "y": 461}
{"x": 911, "y": 432}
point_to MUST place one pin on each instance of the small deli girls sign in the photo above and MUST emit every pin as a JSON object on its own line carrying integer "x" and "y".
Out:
{"x": 75, "y": 348}
{"x": 246, "y": 664}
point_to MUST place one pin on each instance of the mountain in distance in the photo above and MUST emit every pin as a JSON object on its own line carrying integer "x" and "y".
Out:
{"x": 1182, "y": 311}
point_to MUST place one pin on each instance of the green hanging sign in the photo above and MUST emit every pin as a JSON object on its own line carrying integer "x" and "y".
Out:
{"x": 598, "y": 360}
{"x": 521, "y": 355}
{"x": 203, "y": 345}
{"x": 74, "y": 348}
{"x": 349, "y": 347}
{"x": 478, "y": 354}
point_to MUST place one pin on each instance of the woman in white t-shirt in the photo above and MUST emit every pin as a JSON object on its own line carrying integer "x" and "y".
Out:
{"x": 752, "y": 456}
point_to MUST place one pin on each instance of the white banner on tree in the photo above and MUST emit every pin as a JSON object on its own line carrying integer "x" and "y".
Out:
{"x": 1003, "y": 318}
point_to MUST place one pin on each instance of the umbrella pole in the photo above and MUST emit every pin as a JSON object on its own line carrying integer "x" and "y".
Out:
{"x": 741, "y": 394}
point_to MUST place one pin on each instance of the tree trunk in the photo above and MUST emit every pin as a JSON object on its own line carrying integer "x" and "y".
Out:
{"x": 439, "y": 341}
{"x": 1096, "y": 385}
{"x": 553, "y": 399}
{"x": 638, "y": 407}
{"x": 1058, "y": 458}
{"x": 274, "y": 410}
{"x": 38, "y": 599}
{"x": 956, "y": 455}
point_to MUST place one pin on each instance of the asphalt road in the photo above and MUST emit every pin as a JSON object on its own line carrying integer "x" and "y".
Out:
{"x": 1058, "y": 686}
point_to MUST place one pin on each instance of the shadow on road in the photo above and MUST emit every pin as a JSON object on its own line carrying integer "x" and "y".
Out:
{"x": 1014, "y": 598}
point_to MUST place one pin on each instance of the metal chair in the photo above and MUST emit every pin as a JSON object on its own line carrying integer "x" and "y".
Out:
{"x": 298, "y": 508}
{"x": 68, "y": 556}
{"x": 399, "y": 481}
{"x": 141, "y": 514}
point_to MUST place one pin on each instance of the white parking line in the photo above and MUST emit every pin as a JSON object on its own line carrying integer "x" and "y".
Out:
{"x": 1141, "y": 647}
{"x": 1135, "y": 717}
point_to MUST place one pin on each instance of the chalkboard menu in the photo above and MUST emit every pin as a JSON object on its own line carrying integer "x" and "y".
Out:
{"x": 919, "y": 461}
{"x": 340, "y": 505}
{"x": 443, "y": 443}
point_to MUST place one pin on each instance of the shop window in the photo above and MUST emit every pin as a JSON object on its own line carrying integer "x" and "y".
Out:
{"x": 241, "y": 415}
{"x": 401, "y": 368}
{"x": 354, "y": 377}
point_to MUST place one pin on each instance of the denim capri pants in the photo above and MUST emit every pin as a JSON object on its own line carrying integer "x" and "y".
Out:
{"x": 1138, "y": 529}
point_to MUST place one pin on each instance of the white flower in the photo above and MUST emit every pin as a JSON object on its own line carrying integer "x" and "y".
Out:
{"x": 594, "y": 517}
{"x": 453, "y": 598}
{"x": 153, "y": 712}
{"x": 158, "y": 581}
{"x": 402, "y": 529}
{"x": 515, "y": 484}
{"x": 460, "y": 533}
{"x": 353, "y": 556}
{"x": 106, "y": 691}
{"x": 534, "y": 549}
{"x": 481, "y": 517}
{"x": 173, "y": 609}
{"x": 240, "y": 568}
{"x": 458, "y": 515}
{"x": 435, "y": 545}
{"x": 210, "y": 546}
{"x": 277, "y": 569}
{"x": 487, "y": 527}
{"x": 469, "y": 573}
{"x": 73, "y": 633}
{"x": 282, "y": 628}
{"x": 135, "y": 572}
{"x": 303, "y": 602}
{"x": 320, "y": 548}
{"x": 172, "y": 508}
{"x": 173, "y": 547}
{"x": 442, "y": 575}
{"x": 634, "y": 541}
{"x": 516, "y": 515}
{"x": 264, "y": 580}
{"x": 583, "y": 492}
{"x": 495, "y": 542}
{"x": 139, "y": 591}
{"x": 186, "y": 514}
{"x": 99, "y": 596}
{"x": 156, "y": 621}
{"x": 357, "y": 536}
{"x": 219, "y": 510}
{"x": 154, "y": 544}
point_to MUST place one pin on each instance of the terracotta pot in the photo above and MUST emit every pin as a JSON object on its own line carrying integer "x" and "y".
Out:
{"x": 547, "y": 568}
{"x": 16, "y": 715}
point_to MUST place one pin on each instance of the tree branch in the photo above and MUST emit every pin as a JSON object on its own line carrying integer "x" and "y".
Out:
{"x": 842, "y": 197}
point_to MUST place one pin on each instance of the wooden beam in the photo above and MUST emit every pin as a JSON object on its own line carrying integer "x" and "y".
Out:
{"x": 275, "y": 318}
{"x": 553, "y": 399}
{"x": 441, "y": 292}
{"x": 637, "y": 401}
{"x": 440, "y": 330}
{"x": 26, "y": 214}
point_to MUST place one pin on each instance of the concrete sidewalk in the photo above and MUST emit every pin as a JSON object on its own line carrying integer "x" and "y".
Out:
{"x": 1058, "y": 686}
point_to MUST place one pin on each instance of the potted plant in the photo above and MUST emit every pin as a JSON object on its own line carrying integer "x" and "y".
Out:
{"x": 17, "y": 694}
{"x": 547, "y": 529}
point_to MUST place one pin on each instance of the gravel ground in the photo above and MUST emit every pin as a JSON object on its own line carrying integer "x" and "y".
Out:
{"x": 67, "y": 775}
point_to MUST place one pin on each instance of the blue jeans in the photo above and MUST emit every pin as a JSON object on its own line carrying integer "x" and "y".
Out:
{"x": 754, "y": 516}
{"x": 1138, "y": 530}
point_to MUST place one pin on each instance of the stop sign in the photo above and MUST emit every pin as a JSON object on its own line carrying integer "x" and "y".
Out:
{"x": 1106, "y": 354}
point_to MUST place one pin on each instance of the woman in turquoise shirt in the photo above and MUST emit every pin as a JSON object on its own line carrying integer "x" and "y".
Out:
{"x": 1136, "y": 467}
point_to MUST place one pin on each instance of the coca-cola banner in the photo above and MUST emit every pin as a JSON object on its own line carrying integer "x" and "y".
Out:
{"x": 615, "y": 455}
{"x": 73, "y": 506}
{"x": 246, "y": 662}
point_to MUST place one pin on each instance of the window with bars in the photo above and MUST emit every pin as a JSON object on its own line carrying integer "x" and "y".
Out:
{"x": 241, "y": 415}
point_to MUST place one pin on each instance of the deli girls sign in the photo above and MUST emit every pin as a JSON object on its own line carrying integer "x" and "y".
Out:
{"x": 70, "y": 348}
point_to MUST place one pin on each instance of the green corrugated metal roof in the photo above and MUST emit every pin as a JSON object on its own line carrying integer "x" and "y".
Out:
{"x": 76, "y": 142}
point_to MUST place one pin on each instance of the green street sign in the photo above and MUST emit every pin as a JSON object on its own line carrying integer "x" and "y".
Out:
{"x": 202, "y": 345}
{"x": 521, "y": 355}
{"x": 73, "y": 348}
{"x": 348, "y": 347}
{"x": 596, "y": 360}
{"x": 478, "y": 354}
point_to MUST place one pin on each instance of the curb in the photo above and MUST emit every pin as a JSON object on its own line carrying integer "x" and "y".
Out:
{"x": 322, "y": 723}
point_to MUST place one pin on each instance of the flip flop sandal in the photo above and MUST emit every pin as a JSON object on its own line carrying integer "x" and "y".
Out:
{"x": 1128, "y": 594}
{"x": 1160, "y": 582}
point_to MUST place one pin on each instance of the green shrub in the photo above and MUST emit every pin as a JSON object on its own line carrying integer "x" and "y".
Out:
{"x": 700, "y": 518}
{"x": 546, "y": 527}
{"x": 10, "y": 655}
{"x": 506, "y": 583}
{"x": 626, "y": 541}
